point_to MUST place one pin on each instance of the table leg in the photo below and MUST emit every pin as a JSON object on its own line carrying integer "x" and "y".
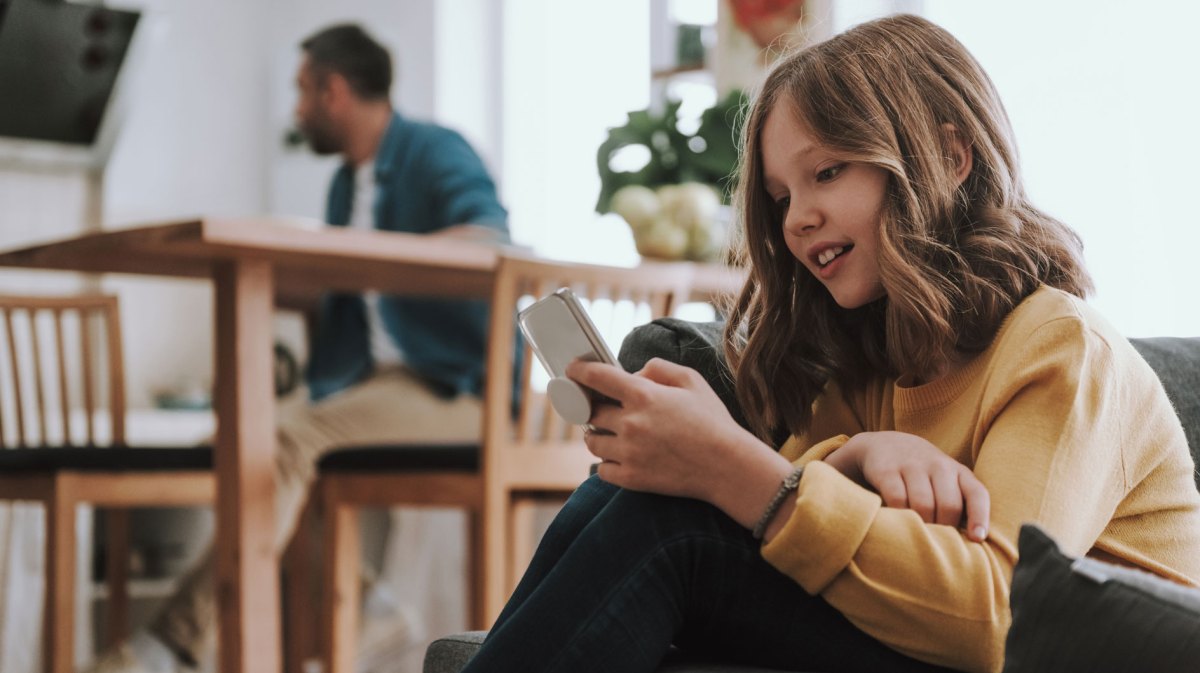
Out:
{"x": 247, "y": 570}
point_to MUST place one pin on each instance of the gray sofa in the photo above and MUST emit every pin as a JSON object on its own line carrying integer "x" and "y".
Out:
{"x": 1176, "y": 360}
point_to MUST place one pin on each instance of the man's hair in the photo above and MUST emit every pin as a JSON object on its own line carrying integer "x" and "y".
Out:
{"x": 349, "y": 51}
{"x": 954, "y": 258}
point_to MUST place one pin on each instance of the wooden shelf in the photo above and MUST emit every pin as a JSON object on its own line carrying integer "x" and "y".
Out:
{"x": 668, "y": 73}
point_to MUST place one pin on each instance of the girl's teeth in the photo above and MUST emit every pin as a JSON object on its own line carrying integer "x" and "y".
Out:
{"x": 828, "y": 255}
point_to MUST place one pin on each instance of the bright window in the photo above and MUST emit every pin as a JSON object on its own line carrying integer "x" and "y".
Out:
{"x": 572, "y": 70}
{"x": 1103, "y": 97}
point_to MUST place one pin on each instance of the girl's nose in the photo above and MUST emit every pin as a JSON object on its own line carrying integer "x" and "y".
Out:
{"x": 801, "y": 219}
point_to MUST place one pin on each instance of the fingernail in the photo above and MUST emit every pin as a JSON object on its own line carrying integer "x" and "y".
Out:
{"x": 979, "y": 532}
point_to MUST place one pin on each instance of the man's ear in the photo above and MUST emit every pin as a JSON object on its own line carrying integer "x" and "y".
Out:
{"x": 959, "y": 151}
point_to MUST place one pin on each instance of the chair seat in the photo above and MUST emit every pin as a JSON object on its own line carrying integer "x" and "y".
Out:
{"x": 106, "y": 459}
{"x": 401, "y": 457}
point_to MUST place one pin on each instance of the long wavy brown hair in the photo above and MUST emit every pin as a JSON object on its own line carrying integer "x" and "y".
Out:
{"x": 955, "y": 256}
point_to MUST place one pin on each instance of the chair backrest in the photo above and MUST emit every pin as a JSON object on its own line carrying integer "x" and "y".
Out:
{"x": 534, "y": 448}
{"x": 61, "y": 364}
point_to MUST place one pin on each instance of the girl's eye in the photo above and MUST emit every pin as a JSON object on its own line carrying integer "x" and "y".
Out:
{"x": 827, "y": 174}
{"x": 782, "y": 203}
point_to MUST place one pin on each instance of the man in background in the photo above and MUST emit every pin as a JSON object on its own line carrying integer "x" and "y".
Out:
{"x": 383, "y": 369}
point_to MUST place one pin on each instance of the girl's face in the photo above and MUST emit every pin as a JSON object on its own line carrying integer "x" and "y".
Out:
{"x": 831, "y": 208}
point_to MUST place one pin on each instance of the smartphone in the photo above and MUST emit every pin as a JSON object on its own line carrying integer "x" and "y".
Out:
{"x": 559, "y": 330}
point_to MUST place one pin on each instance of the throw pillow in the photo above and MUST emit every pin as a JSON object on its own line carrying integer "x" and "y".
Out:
{"x": 1084, "y": 615}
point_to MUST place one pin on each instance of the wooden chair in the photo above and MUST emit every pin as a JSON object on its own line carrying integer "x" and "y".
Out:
{"x": 59, "y": 390}
{"x": 524, "y": 456}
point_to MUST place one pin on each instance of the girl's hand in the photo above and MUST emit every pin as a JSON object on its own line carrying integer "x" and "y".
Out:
{"x": 909, "y": 472}
{"x": 669, "y": 433}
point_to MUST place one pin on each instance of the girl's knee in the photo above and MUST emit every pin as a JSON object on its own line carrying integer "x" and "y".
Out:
{"x": 584, "y": 504}
{"x": 668, "y": 517}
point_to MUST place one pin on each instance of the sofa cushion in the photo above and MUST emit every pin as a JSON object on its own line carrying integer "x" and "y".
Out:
{"x": 1084, "y": 615}
{"x": 105, "y": 459}
{"x": 692, "y": 344}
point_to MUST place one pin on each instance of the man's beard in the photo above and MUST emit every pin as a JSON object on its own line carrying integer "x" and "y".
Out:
{"x": 321, "y": 140}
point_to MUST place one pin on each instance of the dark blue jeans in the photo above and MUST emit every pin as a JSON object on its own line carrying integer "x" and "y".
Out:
{"x": 622, "y": 576}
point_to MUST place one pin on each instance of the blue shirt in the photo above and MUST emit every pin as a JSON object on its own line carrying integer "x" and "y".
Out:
{"x": 427, "y": 178}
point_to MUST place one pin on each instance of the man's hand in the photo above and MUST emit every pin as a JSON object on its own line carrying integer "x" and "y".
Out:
{"x": 470, "y": 232}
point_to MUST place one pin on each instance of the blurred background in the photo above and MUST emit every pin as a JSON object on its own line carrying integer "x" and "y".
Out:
{"x": 566, "y": 102}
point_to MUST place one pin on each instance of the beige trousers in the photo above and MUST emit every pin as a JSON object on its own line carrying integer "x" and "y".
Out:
{"x": 391, "y": 406}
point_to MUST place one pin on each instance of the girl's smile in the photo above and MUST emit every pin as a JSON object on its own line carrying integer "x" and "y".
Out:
{"x": 828, "y": 257}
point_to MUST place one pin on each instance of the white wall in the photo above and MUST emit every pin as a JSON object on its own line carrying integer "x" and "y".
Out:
{"x": 35, "y": 206}
{"x": 191, "y": 145}
{"x": 468, "y": 77}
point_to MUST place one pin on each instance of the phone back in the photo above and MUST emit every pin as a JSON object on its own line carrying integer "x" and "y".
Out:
{"x": 559, "y": 331}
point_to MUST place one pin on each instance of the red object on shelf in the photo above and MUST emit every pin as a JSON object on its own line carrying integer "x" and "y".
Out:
{"x": 766, "y": 20}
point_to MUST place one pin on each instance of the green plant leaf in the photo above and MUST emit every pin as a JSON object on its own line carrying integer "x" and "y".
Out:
{"x": 708, "y": 156}
{"x": 720, "y": 128}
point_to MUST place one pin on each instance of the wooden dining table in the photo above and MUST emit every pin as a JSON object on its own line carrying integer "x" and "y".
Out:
{"x": 252, "y": 263}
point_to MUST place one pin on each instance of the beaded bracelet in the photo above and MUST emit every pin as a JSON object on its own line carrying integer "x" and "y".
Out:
{"x": 790, "y": 483}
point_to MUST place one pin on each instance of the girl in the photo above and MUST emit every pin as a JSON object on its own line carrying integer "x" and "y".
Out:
{"x": 916, "y": 328}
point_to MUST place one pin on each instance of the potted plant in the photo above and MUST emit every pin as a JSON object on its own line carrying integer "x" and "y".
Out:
{"x": 676, "y": 202}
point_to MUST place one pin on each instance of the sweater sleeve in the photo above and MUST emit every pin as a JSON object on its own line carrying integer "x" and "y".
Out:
{"x": 1047, "y": 436}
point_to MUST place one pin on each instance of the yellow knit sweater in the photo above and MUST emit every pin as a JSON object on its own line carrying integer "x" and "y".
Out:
{"x": 1067, "y": 427}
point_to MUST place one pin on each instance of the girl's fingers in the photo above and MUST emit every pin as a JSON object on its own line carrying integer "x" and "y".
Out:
{"x": 608, "y": 380}
{"x": 920, "y": 494}
{"x": 892, "y": 491}
{"x": 668, "y": 373}
{"x": 949, "y": 497}
{"x": 610, "y": 472}
{"x": 979, "y": 505}
{"x": 601, "y": 445}
{"x": 605, "y": 416}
